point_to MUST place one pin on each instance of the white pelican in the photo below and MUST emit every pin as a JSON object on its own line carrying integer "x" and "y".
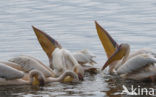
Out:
{"x": 139, "y": 65}
{"x": 61, "y": 59}
{"x": 27, "y": 63}
{"x": 12, "y": 76}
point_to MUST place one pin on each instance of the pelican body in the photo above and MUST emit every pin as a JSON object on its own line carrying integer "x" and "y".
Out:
{"x": 27, "y": 63}
{"x": 139, "y": 65}
{"x": 12, "y": 76}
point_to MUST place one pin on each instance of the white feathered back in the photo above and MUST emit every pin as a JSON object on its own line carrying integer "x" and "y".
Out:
{"x": 9, "y": 73}
{"x": 28, "y": 63}
{"x": 84, "y": 57}
{"x": 136, "y": 63}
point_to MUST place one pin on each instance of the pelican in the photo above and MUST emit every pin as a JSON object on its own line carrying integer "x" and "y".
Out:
{"x": 139, "y": 65}
{"x": 61, "y": 59}
{"x": 27, "y": 63}
{"x": 12, "y": 76}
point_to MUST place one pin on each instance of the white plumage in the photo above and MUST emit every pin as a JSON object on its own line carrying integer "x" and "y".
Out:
{"x": 63, "y": 60}
{"x": 136, "y": 63}
{"x": 28, "y": 63}
{"x": 84, "y": 57}
{"x": 12, "y": 76}
{"x": 9, "y": 73}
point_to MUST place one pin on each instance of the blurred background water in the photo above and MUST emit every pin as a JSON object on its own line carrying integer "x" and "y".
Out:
{"x": 71, "y": 22}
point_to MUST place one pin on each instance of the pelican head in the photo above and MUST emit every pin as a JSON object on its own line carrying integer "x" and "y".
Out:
{"x": 122, "y": 52}
{"x": 37, "y": 78}
{"x": 79, "y": 71}
{"x": 47, "y": 43}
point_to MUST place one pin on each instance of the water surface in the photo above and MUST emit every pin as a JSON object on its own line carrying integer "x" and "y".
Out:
{"x": 71, "y": 22}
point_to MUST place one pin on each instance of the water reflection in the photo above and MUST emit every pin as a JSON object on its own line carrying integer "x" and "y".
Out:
{"x": 115, "y": 85}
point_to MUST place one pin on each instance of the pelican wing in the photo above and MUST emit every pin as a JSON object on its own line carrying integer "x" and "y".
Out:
{"x": 48, "y": 69}
{"x": 84, "y": 57}
{"x": 10, "y": 73}
{"x": 13, "y": 65}
{"x": 107, "y": 41}
{"x": 28, "y": 63}
{"x": 136, "y": 63}
{"x": 141, "y": 74}
{"x": 142, "y": 51}
{"x": 47, "y": 43}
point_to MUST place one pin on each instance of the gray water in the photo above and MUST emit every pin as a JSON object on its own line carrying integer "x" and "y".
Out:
{"x": 71, "y": 22}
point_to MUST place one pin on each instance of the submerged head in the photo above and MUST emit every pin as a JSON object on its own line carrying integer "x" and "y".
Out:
{"x": 79, "y": 71}
{"x": 122, "y": 52}
{"x": 37, "y": 78}
{"x": 69, "y": 76}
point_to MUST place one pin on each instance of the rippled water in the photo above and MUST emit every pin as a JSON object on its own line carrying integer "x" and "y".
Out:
{"x": 71, "y": 22}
